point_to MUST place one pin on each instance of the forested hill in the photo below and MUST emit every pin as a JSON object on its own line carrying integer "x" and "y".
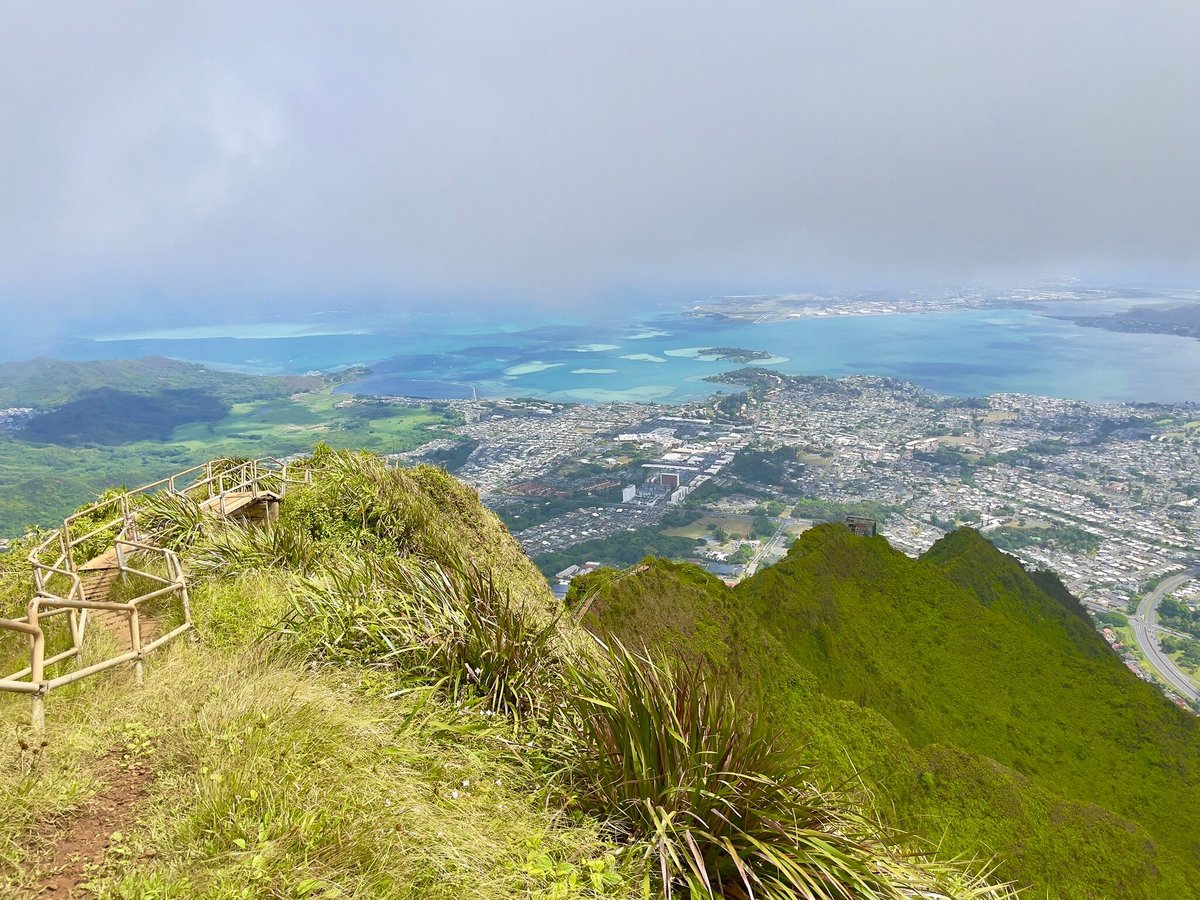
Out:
{"x": 968, "y": 694}
{"x": 48, "y": 383}
{"x": 99, "y": 424}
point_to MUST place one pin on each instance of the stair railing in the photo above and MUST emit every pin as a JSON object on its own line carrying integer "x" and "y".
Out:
{"x": 114, "y": 525}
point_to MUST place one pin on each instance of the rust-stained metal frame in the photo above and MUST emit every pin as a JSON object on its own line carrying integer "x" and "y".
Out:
{"x": 58, "y": 587}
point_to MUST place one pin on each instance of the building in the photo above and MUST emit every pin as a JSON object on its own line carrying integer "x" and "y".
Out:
{"x": 861, "y": 526}
{"x": 628, "y": 493}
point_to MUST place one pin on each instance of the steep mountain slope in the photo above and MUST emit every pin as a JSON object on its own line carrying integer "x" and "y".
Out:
{"x": 980, "y": 709}
{"x": 944, "y": 664}
{"x": 263, "y": 775}
{"x": 386, "y": 702}
{"x": 1038, "y": 602}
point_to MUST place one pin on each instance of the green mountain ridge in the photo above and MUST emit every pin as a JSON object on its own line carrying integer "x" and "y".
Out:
{"x": 1001, "y": 583}
{"x": 978, "y": 707}
{"x": 133, "y": 421}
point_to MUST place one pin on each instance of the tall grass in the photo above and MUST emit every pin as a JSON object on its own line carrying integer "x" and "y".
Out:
{"x": 718, "y": 802}
{"x": 277, "y": 781}
{"x": 431, "y": 624}
{"x": 273, "y": 782}
{"x": 233, "y": 549}
{"x": 357, "y": 501}
{"x": 174, "y": 521}
{"x": 16, "y": 577}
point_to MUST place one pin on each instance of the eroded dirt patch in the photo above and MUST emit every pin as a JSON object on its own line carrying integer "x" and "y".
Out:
{"x": 76, "y": 849}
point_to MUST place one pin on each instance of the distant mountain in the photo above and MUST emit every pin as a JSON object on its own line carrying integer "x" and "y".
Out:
{"x": 973, "y": 699}
{"x": 101, "y": 422}
{"x": 47, "y": 383}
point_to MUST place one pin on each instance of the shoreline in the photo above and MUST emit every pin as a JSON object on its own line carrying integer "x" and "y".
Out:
{"x": 1025, "y": 346}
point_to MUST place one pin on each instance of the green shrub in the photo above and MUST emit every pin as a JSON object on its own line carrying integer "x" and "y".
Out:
{"x": 429, "y": 624}
{"x": 718, "y": 802}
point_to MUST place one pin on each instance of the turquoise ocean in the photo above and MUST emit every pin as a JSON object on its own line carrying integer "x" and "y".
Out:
{"x": 658, "y": 356}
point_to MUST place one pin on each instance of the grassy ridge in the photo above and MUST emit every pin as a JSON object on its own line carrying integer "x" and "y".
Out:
{"x": 1002, "y": 670}
{"x": 274, "y": 782}
{"x": 900, "y": 680}
{"x": 277, "y": 775}
{"x": 386, "y": 702}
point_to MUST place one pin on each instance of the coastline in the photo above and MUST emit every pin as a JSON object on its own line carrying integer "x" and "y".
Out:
{"x": 967, "y": 348}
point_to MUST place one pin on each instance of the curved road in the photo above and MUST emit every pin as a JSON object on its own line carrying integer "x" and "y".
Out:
{"x": 1145, "y": 621}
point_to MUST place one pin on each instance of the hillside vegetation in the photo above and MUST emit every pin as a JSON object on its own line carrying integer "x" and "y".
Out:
{"x": 108, "y": 416}
{"x": 386, "y": 701}
{"x": 49, "y": 383}
{"x": 163, "y": 417}
{"x": 974, "y": 701}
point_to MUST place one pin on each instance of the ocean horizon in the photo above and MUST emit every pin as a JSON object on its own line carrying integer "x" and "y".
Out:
{"x": 661, "y": 357}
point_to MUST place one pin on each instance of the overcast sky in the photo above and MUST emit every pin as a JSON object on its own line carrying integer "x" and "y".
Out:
{"x": 571, "y": 152}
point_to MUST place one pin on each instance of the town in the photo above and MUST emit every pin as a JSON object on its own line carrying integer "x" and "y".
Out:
{"x": 778, "y": 307}
{"x": 1105, "y": 495}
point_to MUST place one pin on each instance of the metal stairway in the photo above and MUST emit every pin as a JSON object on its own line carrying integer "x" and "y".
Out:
{"x": 77, "y": 566}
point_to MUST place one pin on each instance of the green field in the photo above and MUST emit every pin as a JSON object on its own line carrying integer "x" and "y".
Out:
{"x": 734, "y": 526}
{"x": 42, "y": 482}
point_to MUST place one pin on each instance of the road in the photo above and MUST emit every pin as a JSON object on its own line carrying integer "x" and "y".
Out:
{"x": 1145, "y": 621}
{"x": 781, "y": 534}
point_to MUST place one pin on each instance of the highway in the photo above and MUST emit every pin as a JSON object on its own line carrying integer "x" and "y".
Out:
{"x": 1144, "y": 622}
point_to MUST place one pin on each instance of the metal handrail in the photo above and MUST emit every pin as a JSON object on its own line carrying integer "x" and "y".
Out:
{"x": 224, "y": 475}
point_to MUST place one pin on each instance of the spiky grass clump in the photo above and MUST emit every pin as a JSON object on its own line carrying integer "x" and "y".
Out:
{"x": 233, "y": 549}
{"x": 172, "y": 520}
{"x": 430, "y": 624}
{"x": 718, "y": 801}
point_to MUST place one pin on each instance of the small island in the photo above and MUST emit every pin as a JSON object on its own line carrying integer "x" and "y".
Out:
{"x": 734, "y": 354}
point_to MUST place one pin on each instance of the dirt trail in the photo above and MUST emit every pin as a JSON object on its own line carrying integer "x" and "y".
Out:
{"x": 79, "y": 846}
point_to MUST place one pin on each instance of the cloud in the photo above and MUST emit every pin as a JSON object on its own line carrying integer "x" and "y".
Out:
{"x": 557, "y": 152}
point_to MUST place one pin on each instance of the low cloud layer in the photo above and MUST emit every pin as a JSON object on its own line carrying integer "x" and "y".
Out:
{"x": 560, "y": 152}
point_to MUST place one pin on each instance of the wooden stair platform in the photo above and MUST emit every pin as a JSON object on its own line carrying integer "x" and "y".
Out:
{"x": 103, "y": 562}
{"x": 98, "y": 577}
{"x": 237, "y": 502}
{"x": 112, "y": 579}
